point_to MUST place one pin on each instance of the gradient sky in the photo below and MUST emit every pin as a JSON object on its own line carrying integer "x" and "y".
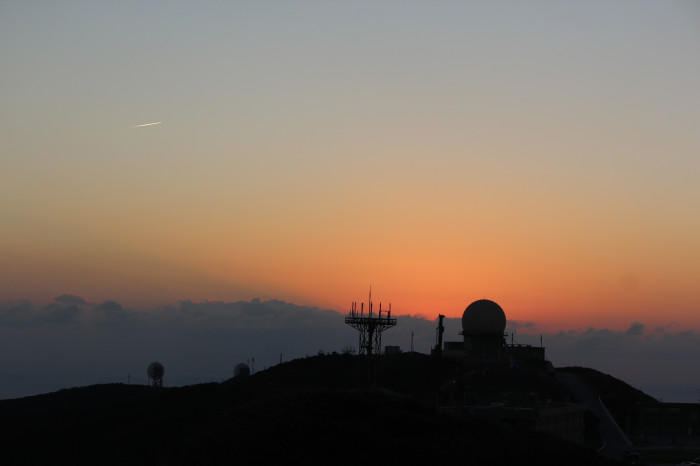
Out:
{"x": 545, "y": 155}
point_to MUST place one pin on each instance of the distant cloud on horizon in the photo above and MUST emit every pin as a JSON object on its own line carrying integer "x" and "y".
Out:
{"x": 71, "y": 342}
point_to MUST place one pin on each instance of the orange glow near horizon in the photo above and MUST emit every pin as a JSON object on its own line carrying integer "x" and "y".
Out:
{"x": 544, "y": 265}
{"x": 570, "y": 273}
{"x": 441, "y": 154}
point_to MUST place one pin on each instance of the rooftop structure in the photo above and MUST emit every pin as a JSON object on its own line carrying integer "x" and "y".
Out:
{"x": 483, "y": 332}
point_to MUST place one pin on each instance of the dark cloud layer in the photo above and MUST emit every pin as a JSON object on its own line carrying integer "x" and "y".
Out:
{"x": 72, "y": 342}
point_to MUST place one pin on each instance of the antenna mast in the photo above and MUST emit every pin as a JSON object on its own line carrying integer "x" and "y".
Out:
{"x": 440, "y": 331}
{"x": 370, "y": 326}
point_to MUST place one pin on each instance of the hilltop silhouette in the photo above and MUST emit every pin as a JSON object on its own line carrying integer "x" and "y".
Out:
{"x": 312, "y": 410}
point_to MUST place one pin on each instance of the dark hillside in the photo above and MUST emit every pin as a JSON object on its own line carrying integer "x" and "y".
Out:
{"x": 621, "y": 399}
{"x": 412, "y": 374}
{"x": 314, "y": 411}
{"x": 609, "y": 387}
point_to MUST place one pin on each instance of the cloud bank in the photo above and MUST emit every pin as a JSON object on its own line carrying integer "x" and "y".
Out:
{"x": 73, "y": 342}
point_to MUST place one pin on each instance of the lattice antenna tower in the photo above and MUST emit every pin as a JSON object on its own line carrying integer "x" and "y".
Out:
{"x": 370, "y": 325}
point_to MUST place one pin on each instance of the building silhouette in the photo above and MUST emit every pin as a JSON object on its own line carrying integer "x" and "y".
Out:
{"x": 485, "y": 339}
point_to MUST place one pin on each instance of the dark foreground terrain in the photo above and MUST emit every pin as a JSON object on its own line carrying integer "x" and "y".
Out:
{"x": 317, "y": 410}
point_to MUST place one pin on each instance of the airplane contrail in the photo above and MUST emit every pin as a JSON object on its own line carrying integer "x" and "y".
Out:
{"x": 148, "y": 124}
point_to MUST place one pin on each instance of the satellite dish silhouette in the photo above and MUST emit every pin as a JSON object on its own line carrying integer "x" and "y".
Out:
{"x": 155, "y": 373}
{"x": 241, "y": 370}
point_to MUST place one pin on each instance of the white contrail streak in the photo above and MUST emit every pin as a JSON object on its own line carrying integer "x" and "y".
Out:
{"x": 148, "y": 124}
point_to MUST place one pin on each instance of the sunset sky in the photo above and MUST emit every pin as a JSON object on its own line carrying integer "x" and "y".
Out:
{"x": 544, "y": 155}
